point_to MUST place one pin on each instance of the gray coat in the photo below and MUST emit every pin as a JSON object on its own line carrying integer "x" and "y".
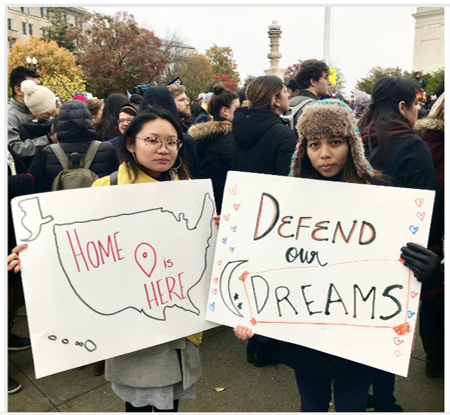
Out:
{"x": 156, "y": 366}
{"x": 19, "y": 114}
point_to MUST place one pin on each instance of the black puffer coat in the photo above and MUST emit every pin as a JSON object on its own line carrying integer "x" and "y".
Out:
{"x": 75, "y": 132}
{"x": 215, "y": 148}
{"x": 264, "y": 144}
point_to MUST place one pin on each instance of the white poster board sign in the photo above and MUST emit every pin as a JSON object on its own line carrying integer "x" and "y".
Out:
{"x": 316, "y": 263}
{"x": 111, "y": 270}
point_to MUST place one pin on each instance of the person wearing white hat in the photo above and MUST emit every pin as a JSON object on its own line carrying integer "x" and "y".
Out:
{"x": 18, "y": 114}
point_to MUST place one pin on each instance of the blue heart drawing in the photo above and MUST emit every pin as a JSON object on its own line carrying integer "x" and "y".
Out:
{"x": 212, "y": 306}
{"x": 410, "y": 314}
{"x": 413, "y": 229}
{"x": 224, "y": 240}
{"x": 234, "y": 228}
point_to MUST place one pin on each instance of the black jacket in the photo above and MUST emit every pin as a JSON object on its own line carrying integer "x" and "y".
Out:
{"x": 264, "y": 144}
{"x": 408, "y": 163}
{"x": 215, "y": 148}
{"x": 75, "y": 132}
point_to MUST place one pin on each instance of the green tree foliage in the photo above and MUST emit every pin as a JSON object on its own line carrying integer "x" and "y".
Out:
{"x": 116, "y": 54}
{"x": 57, "y": 30}
{"x": 197, "y": 74}
{"x": 247, "y": 80}
{"x": 431, "y": 79}
{"x": 340, "y": 80}
{"x": 222, "y": 61}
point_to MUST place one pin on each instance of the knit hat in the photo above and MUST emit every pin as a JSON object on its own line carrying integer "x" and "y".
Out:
{"x": 37, "y": 98}
{"x": 207, "y": 97}
{"x": 360, "y": 104}
{"x": 328, "y": 118}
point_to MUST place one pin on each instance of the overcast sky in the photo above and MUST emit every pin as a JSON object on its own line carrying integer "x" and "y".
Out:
{"x": 361, "y": 37}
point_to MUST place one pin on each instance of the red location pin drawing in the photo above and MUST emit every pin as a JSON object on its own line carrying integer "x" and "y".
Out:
{"x": 145, "y": 257}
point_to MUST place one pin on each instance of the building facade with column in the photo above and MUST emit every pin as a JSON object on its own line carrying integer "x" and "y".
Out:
{"x": 429, "y": 52}
{"x": 24, "y": 22}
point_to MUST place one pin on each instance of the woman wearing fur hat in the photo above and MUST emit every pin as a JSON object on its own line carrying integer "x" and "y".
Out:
{"x": 214, "y": 140}
{"x": 42, "y": 104}
{"x": 329, "y": 148}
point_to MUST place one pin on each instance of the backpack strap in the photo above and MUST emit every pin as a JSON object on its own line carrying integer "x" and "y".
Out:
{"x": 90, "y": 154}
{"x": 61, "y": 156}
{"x": 113, "y": 178}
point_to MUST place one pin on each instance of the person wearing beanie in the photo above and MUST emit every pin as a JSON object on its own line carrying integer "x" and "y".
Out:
{"x": 42, "y": 104}
{"x": 204, "y": 115}
{"x": 160, "y": 96}
{"x": 124, "y": 117}
{"x": 18, "y": 114}
{"x": 74, "y": 131}
{"x": 360, "y": 104}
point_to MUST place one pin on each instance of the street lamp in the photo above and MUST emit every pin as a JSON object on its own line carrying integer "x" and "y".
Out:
{"x": 31, "y": 61}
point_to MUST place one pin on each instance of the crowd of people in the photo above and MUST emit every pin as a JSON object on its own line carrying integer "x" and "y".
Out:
{"x": 304, "y": 128}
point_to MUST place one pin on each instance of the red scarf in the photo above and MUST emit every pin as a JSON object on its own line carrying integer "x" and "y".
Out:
{"x": 395, "y": 127}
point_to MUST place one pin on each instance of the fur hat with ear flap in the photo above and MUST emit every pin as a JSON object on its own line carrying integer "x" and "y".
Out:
{"x": 37, "y": 98}
{"x": 329, "y": 118}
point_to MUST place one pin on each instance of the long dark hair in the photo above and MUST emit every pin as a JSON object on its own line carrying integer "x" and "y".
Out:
{"x": 386, "y": 94}
{"x": 129, "y": 137}
{"x": 107, "y": 125}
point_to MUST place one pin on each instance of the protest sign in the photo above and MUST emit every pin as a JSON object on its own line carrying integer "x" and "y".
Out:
{"x": 316, "y": 263}
{"x": 110, "y": 270}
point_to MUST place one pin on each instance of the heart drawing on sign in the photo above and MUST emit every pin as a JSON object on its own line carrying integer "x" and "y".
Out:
{"x": 233, "y": 190}
{"x": 411, "y": 314}
{"x": 419, "y": 202}
{"x": 234, "y": 228}
{"x": 414, "y": 294}
{"x": 226, "y": 217}
{"x": 214, "y": 291}
{"x": 398, "y": 353}
{"x": 231, "y": 249}
{"x": 215, "y": 280}
{"x": 420, "y": 215}
{"x": 212, "y": 306}
{"x": 236, "y": 206}
{"x": 219, "y": 262}
{"x": 398, "y": 341}
{"x": 224, "y": 240}
{"x": 413, "y": 229}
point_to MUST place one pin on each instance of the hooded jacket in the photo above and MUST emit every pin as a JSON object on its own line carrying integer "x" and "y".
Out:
{"x": 75, "y": 132}
{"x": 215, "y": 148}
{"x": 160, "y": 96}
{"x": 264, "y": 144}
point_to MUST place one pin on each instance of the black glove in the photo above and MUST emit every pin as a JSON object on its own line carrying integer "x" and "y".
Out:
{"x": 424, "y": 263}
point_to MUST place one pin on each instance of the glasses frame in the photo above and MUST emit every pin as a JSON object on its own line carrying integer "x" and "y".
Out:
{"x": 161, "y": 143}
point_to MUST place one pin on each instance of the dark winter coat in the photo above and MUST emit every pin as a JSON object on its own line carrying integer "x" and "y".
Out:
{"x": 264, "y": 144}
{"x": 203, "y": 116}
{"x": 19, "y": 184}
{"x": 35, "y": 128}
{"x": 215, "y": 148}
{"x": 75, "y": 132}
{"x": 408, "y": 161}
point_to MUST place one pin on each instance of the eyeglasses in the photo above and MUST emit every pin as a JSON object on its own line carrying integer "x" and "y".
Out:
{"x": 184, "y": 99}
{"x": 124, "y": 120}
{"x": 156, "y": 144}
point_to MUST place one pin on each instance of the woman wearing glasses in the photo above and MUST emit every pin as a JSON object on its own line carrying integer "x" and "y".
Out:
{"x": 125, "y": 115}
{"x": 151, "y": 150}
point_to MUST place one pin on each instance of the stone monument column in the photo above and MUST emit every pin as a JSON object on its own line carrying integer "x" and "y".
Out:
{"x": 274, "y": 55}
